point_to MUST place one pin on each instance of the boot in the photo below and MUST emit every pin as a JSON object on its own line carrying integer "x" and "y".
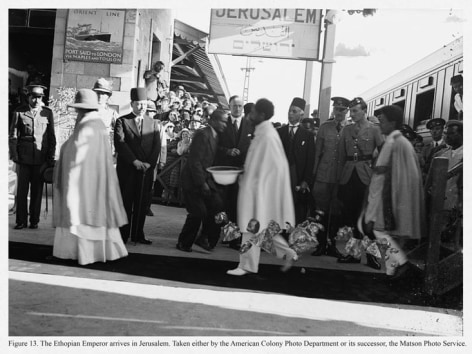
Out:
{"x": 373, "y": 261}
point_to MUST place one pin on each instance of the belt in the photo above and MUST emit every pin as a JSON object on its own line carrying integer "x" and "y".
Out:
{"x": 359, "y": 158}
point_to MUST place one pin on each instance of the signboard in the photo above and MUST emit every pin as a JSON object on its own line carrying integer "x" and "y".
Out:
{"x": 274, "y": 33}
{"x": 95, "y": 35}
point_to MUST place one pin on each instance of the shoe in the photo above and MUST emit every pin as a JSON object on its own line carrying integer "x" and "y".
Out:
{"x": 181, "y": 247}
{"x": 237, "y": 272}
{"x": 373, "y": 261}
{"x": 348, "y": 259}
{"x": 19, "y": 226}
{"x": 203, "y": 244}
{"x": 150, "y": 213}
{"x": 33, "y": 226}
{"x": 401, "y": 272}
{"x": 332, "y": 251}
{"x": 144, "y": 241}
{"x": 320, "y": 251}
{"x": 289, "y": 263}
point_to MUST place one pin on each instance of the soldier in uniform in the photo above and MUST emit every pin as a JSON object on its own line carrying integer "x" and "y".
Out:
{"x": 325, "y": 175}
{"x": 436, "y": 128}
{"x": 356, "y": 148}
{"x": 32, "y": 144}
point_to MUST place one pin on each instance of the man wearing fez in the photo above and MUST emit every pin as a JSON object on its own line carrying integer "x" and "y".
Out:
{"x": 233, "y": 143}
{"x": 457, "y": 86}
{"x": 326, "y": 176}
{"x": 138, "y": 145}
{"x": 299, "y": 147}
{"x": 436, "y": 128}
{"x": 356, "y": 148}
{"x": 32, "y": 144}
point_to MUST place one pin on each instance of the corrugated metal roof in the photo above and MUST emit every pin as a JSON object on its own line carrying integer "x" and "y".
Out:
{"x": 199, "y": 72}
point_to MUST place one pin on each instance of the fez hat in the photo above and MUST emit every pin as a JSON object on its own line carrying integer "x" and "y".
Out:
{"x": 435, "y": 122}
{"x": 356, "y": 101}
{"x": 103, "y": 85}
{"x": 138, "y": 94}
{"x": 151, "y": 106}
{"x": 456, "y": 79}
{"x": 298, "y": 102}
{"x": 85, "y": 99}
{"x": 36, "y": 90}
{"x": 340, "y": 102}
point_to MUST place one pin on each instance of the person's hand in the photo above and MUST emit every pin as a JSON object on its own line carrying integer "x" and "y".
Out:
{"x": 146, "y": 166}
{"x": 138, "y": 165}
{"x": 304, "y": 187}
{"x": 233, "y": 152}
{"x": 206, "y": 190}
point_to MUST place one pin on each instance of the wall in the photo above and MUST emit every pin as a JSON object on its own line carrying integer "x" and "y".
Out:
{"x": 141, "y": 25}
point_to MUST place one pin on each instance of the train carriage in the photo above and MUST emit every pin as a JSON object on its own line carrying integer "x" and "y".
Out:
{"x": 423, "y": 89}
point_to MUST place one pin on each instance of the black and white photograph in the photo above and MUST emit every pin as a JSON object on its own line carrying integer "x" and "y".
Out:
{"x": 221, "y": 177}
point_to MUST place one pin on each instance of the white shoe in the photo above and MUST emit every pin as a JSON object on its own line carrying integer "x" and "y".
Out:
{"x": 289, "y": 263}
{"x": 237, "y": 272}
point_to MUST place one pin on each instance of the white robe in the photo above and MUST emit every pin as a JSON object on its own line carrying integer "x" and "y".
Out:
{"x": 265, "y": 192}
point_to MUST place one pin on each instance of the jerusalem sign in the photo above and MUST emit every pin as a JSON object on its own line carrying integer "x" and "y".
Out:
{"x": 273, "y": 33}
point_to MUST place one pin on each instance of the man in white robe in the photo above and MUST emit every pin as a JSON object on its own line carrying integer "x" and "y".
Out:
{"x": 265, "y": 192}
{"x": 395, "y": 204}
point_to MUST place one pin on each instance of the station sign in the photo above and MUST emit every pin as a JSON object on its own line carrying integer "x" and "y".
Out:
{"x": 269, "y": 33}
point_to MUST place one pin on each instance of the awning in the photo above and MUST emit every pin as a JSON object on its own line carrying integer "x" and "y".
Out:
{"x": 192, "y": 67}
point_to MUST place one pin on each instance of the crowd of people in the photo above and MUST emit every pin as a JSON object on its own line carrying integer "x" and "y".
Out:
{"x": 367, "y": 173}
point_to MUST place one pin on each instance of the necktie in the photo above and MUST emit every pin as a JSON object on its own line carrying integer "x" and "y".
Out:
{"x": 235, "y": 124}
{"x": 338, "y": 127}
{"x": 291, "y": 133}
{"x": 139, "y": 124}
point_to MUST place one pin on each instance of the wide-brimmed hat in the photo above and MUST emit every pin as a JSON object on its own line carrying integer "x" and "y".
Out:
{"x": 151, "y": 106}
{"x": 36, "y": 90}
{"x": 85, "y": 99}
{"x": 103, "y": 85}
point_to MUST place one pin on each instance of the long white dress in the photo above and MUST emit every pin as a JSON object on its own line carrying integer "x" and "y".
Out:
{"x": 88, "y": 209}
{"x": 265, "y": 192}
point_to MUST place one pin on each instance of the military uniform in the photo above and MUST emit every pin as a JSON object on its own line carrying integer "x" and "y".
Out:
{"x": 32, "y": 143}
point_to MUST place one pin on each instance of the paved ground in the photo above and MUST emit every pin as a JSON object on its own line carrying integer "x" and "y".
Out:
{"x": 318, "y": 297}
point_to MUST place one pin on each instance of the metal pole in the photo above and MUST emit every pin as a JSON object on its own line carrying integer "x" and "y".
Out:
{"x": 307, "y": 86}
{"x": 326, "y": 71}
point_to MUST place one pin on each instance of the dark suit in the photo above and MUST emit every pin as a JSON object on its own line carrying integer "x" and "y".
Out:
{"x": 32, "y": 143}
{"x": 300, "y": 154}
{"x": 131, "y": 145}
{"x": 230, "y": 139}
{"x": 201, "y": 208}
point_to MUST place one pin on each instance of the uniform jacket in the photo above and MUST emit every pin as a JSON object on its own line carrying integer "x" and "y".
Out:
{"x": 326, "y": 153}
{"x": 363, "y": 143}
{"x": 201, "y": 155}
{"x": 130, "y": 145}
{"x": 230, "y": 138}
{"x": 32, "y": 140}
{"x": 301, "y": 153}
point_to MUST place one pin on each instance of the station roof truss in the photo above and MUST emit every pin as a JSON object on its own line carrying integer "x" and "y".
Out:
{"x": 199, "y": 72}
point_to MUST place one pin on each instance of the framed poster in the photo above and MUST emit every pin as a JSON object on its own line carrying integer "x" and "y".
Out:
{"x": 95, "y": 35}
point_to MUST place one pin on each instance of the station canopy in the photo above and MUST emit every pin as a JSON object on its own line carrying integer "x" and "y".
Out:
{"x": 193, "y": 68}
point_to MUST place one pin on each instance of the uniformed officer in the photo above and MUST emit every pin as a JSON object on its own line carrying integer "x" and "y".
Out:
{"x": 356, "y": 148}
{"x": 325, "y": 175}
{"x": 32, "y": 144}
{"x": 436, "y": 128}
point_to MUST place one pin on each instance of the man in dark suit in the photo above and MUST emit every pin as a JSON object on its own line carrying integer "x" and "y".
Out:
{"x": 138, "y": 145}
{"x": 32, "y": 145}
{"x": 299, "y": 147}
{"x": 233, "y": 143}
{"x": 201, "y": 195}
{"x": 436, "y": 128}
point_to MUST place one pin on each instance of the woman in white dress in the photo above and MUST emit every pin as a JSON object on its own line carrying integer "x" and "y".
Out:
{"x": 88, "y": 209}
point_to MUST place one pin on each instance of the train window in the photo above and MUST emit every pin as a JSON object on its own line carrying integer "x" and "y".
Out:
{"x": 424, "y": 107}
